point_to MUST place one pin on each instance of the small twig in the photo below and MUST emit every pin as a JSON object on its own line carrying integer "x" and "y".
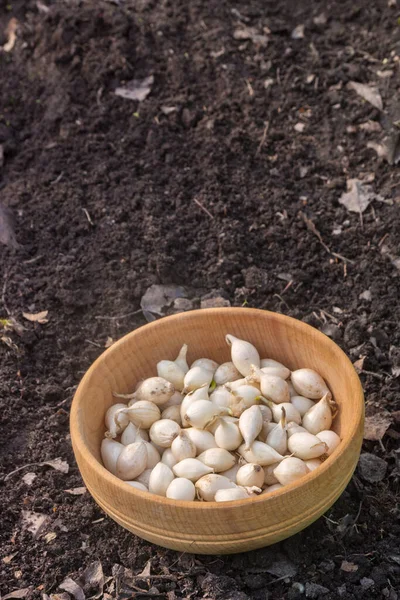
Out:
{"x": 4, "y": 291}
{"x": 30, "y": 261}
{"x": 203, "y": 208}
{"x": 288, "y": 285}
{"x": 144, "y": 593}
{"x": 61, "y": 175}
{"x": 341, "y": 257}
{"x": 359, "y": 207}
{"x": 357, "y": 515}
{"x": 249, "y": 88}
{"x": 19, "y": 469}
{"x": 367, "y": 55}
{"x": 377, "y": 375}
{"x": 177, "y": 560}
{"x": 383, "y": 239}
{"x": 89, "y": 218}
{"x": 98, "y": 95}
{"x": 276, "y": 580}
{"x": 94, "y": 343}
{"x": 239, "y": 15}
{"x": 107, "y": 318}
{"x": 330, "y": 520}
{"x": 311, "y": 227}
{"x": 166, "y": 577}
{"x": 334, "y": 319}
{"x": 373, "y": 213}
{"x": 63, "y": 402}
{"x": 263, "y": 138}
{"x": 35, "y": 464}
{"x": 282, "y": 300}
{"x": 318, "y": 317}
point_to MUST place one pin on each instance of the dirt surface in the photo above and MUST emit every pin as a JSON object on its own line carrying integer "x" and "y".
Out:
{"x": 225, "y": 179}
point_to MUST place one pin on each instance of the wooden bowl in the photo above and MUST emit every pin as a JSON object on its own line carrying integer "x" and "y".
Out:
{"x": 216, "y": 528}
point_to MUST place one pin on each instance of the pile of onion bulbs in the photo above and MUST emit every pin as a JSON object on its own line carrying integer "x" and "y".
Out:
{"x": 220, "y": 432}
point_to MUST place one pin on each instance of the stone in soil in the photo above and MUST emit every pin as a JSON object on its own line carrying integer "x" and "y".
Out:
{"x": 314, "y": 590}
{"x": 372, "y": 468}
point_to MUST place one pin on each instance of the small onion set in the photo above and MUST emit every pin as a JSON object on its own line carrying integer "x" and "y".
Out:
{"x": 220, "y": 432}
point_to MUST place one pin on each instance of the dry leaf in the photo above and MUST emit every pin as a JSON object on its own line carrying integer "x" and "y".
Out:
{"x": 78, "y": 491}
{"x": 8, "y": 559}
{"x": 381, "y": 150}
{"x": 93, "y": 578}
{"x": 349, "y": 567}
{"x": 159, "y": 297}
{"x": 137, "y": 89}
{"x": 370, "y": 127}
{"x": 395, "y": 372}
{"x": 18, "y": 593}
{"x": 385, "y": 74}
{"x": 366, "y": 176}
{"x": 281, "y": 567}
{"x": 369, "y": 93}
{"x": 69, "y": 585}
{"x": 298, "y": 32}
{"x": 7, "y": 234}
{"x": 49, "y": 537}
{"x": 29, "y": 478}
{"x": 376, "y": 426}
{"x": 359, "y": 364}
{"x": 39, "y": 317}
{"x": 58, "y": 464}
{"x": 366, "y": 295}
{"x": 250, "y": 33}
{"x": 392, "y": 145}
{"x": 8, "y": 342}
{"x": 167, "y": 110}
{"x": 12, "y": 324}
{"x": 34, "y": 522}
{"x": 358, "y": 196}
{"x": 146, "y": 570}
{"x": 321, "y": 19}
{"x": 11, "y": 35}
{"x": 109, "y": 342}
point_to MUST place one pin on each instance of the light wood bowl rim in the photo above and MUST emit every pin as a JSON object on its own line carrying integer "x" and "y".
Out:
{"x": 102, "y": 472}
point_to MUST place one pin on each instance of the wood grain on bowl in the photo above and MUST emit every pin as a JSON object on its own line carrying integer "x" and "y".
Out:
{"x": 213, "y": 528}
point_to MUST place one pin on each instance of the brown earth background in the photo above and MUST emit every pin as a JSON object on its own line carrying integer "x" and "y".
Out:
{"x": 226, "y": 180}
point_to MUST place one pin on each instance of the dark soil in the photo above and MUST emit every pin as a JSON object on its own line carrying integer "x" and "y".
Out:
{"x": 103, "y": 189}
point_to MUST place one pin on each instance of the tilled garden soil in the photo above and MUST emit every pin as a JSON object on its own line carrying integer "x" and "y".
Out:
{"x": 224, "y": 179}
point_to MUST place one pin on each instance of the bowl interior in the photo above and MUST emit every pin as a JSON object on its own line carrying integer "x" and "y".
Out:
{"x": 276, "y": 336}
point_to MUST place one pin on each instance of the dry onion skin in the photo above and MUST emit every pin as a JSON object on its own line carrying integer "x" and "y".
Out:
{"x": 220, "y": 432}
